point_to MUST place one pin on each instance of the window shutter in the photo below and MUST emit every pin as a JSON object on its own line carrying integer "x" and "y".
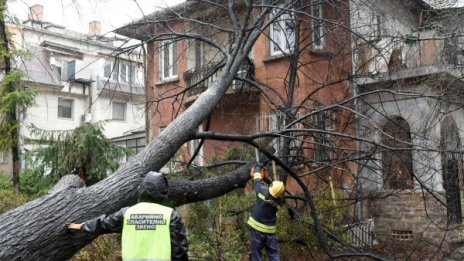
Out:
{"x": 174, "y": 58}
{"x": 166, "y": 60}
{"x": 71, "y": 70}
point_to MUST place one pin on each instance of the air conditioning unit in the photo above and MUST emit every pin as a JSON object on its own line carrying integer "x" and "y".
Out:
{"x": 77, "y": 70}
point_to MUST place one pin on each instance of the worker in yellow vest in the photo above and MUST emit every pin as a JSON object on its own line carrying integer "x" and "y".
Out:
{"x": 150, "y": 230}
{"x": 263, "y": 219}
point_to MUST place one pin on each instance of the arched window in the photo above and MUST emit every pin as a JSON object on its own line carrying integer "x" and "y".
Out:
{"x": 397, "y": 158}
{"x": 451, "y": 164}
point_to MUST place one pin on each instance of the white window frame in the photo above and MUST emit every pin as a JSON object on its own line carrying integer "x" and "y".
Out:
{"x": 282, "y": 40}
{"x": 124, "y": 116}
{"x": 172, "y": 61}
{"x": 198, "y": 161}
{"x": 271, "y": 121}
{"x": 116, "y": 73}
{"x": 126, "y": 77}
{"x": 317, "y": 26}
{"x": 72, "y": 108}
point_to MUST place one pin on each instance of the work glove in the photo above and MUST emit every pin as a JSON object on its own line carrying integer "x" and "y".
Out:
{"x": 73, "y": 227}
{"x": 257, "y": 172}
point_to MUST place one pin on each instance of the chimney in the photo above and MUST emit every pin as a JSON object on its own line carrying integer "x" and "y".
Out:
{"x": 36, "y": 12}
{"x": 94, "y": 28}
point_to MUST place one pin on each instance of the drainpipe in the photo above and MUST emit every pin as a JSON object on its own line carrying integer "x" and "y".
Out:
{"x": 145, "y": 80}
{"x": 358, "y": 185}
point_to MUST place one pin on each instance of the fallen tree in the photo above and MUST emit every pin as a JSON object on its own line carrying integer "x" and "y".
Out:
{"x": 36, "y": 230}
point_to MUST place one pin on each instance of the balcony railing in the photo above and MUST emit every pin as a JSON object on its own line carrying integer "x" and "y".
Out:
{"x": 201, "y": 78}
{"x": 107, "y": 85}
{"x": 361, "y": 234}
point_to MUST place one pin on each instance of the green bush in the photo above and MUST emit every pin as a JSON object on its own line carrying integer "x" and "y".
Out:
{"x": 217, "y": 227}
{"x": 104, "y": 248}
{"x": 34, "y": 183}
{"x": 296, "y": 233}
{"x": 8, "y": 198}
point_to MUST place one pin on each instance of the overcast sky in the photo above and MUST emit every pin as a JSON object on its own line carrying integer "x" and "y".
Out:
{"x": 76, "y": 14}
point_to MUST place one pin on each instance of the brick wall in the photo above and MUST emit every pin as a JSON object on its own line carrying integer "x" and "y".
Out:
{"x": 410, "y": 216}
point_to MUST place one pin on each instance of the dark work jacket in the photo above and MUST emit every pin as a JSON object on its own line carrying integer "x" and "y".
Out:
{"x": 265, "y": 210}
{"x": 113, "y": 224}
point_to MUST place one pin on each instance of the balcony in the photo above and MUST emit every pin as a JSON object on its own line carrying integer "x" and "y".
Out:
{"x": 426, "y": 48}
{"x": 201, "y": 78}
{"x": 109, "y": 86}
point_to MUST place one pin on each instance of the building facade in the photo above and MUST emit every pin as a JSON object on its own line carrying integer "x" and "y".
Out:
{"x": 81, "y": 79}
{"x": 410, "y": 78}
{"x": 266, "y": 85}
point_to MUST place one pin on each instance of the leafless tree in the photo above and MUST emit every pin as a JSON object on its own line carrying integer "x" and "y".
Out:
{"x": 354, "y": 106}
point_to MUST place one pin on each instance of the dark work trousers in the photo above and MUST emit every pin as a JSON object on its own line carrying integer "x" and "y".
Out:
{"x": 260, "y": 240}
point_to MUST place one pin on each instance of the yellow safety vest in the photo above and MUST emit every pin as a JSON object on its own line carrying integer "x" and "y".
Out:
{"x": 145, "y": 233}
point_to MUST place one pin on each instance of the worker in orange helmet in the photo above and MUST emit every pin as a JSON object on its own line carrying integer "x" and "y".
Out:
{"x": 263, "y": 219}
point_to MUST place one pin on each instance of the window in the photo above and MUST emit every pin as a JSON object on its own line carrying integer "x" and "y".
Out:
{"x": 115, "y": 73}
{"x": 4, "y": 157}
{"x": 136, "y": 144}
{"x": 397, "y": 162}
{"x": 132, "y": 74}
{"x": 282, "y": 33}
{"x": 168, "y": 60}
{"x": 325, "y": 121}
{"x": 64, "y": 71}
{"x": 119, "y": 111}
{"x": 58, "y": 63}
{"x": 65, "y": 108}
{"x": 124, "y": 73}
{"x": 272, "y": 121}
{"x": 107, "y": 69}
{"x": 451, "y": 163}
{"x": 198, "y": 54}
{"x": 377, "y": 23}
{"x": 317, "y": 28}
{"x": 121, "y": 71}
{"x": 193, "y": 146}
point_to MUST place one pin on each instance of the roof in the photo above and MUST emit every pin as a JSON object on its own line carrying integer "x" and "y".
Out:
{"x": 61, "y": 31}
{"x": 143, "y": 28}
{"x": 61, "y": 49}
{"x": 197, "y": 9}
{"x": 38, "y": 69}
